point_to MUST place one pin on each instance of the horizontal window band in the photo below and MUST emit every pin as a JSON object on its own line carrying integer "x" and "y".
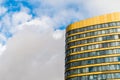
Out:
{"x": 93, "y": 43}
{"x": 92, "y": 30}
{"x": 93, "y": 65}
{"x": 112, "y": 79}
{"x": 100, "y": 49}
{"x": 93, "y": 37}
{"x": 74, "y": 28}
{"x": 95, "y": 57}
{"x": 110, "y": 35}
{"x": 93, "y": 73}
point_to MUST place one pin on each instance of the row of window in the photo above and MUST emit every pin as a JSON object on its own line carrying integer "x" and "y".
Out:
{"x": 92, "y": 40}
{"x": 91, "y": 54}
{"x": 93, "y": 27}
{"x": 93, "y": 69}
{"x": 97, "y": 77}
{"x": 92, "y": 61}
{"x": 93, "y": 46}
{"x": 94, "y": 33}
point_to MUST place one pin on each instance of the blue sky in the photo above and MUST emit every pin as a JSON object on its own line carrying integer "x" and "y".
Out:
{"x": 37, "y": 9}
{"x": 32, "y": 35}
{"x": 61, "y": 13}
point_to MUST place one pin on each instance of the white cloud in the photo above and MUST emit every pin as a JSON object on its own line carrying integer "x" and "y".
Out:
{"x": 2, "y": 10}
{"x": 10, "y": 21}
{"x": 31, "y": 55}
{"x": 56, "y": 3}
{"x": 1, "y": 1}
{"x": 58, "y": 34}
{"x": 98, "y": 7}
{"x": 86, "y": 8}
{"x": 61, "y": 12}
{"x": 42, "y": 24}
{"x": 2, "y": 49}
{"x": 65, "y": 17}
{"x": 36, "y": 51}
{"x": 20, "y": 17}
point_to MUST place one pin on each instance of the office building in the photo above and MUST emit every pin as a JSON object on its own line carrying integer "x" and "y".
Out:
{"x": 93, "y": 48}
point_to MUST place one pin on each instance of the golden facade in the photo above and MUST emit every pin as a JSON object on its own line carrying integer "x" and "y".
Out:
{"x": 93, "y": 49}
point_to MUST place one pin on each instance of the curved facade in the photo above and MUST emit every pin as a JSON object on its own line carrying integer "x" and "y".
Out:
{"x": 93, "y": 49}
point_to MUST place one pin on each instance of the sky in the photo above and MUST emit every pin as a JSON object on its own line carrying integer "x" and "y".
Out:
{"x": 32, "y": 35}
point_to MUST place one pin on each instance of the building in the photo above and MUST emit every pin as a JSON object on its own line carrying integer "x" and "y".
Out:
{"x": 93, "y": 49}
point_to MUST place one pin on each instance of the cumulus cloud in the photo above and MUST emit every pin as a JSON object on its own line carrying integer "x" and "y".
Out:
{"x": 10, "y": 21}
{"x": 58, "y": 34}
{"x": 61, "y": 12}
{"x": 85, "y": 8}
{"x": 36, "y": 50}
{"x": 98, "y": 7}
{"x": 31, "y": 55}
{"x": 20, "y": 17}
{"x": 2, "y": 49}
{"x": 2, "y": 10}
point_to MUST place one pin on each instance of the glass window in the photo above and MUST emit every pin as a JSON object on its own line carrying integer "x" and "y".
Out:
{"x": 110, "y": 24}
{"x": 90, "y": 69}
{"x": 118, "y": 58}
{"x": 95, "y": 26}
{"x": 106, "y": 25}
{"x": 114, "y": 24}
{"x": 99, "y": 38}
{"x": 118, "y": 23}
{"x": 117, "y": 50}
{"x": 99, "y": 26}
{"x": 87, "y": 34}
{"x": 116, "y": 37}
{"x": 118, "y": 30}
{"x": 102, "y": 25}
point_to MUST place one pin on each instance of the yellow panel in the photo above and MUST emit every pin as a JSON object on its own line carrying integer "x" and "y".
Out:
{"x": 91, "y": 73}
{"x": 113, "y": 17}
{"x": 95, "y": 20}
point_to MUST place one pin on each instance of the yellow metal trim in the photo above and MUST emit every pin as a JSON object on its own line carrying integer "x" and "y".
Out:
{"x": 95, "y": 57}
{"x": 95, "y": 20}
{"x": 114, "y": 79}
{"x": 93, "y": 30}
{"x": 93, "y": 73}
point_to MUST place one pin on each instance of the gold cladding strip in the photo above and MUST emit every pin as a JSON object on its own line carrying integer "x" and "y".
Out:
{"x": 114, "y": 79}
{"x": 94, "y": 21}
{"x": 93, "y": 73}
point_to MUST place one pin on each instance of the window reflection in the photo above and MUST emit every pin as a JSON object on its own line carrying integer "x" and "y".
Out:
{"x": 93, "y": 46}
{"x": 97, "y": 77}
{"x": 94, "y": 33}
{"x": 87, "y": 37}
{"x": 93, "y": 27}
{"x": 91, "y": 54}
{"x": 92, "y": 61}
